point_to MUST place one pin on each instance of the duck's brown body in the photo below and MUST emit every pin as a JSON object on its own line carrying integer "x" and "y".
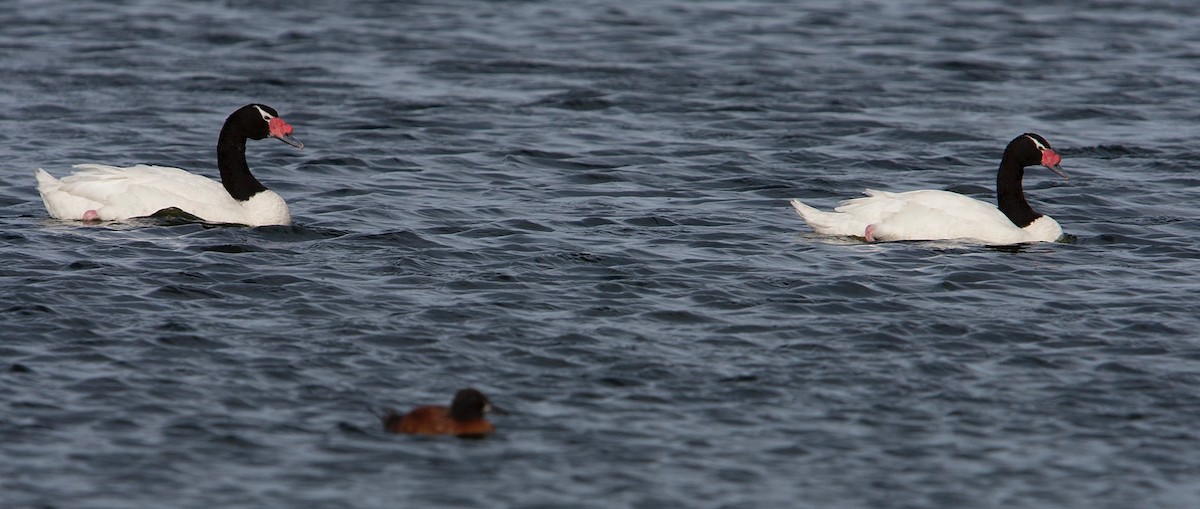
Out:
{"x": 464, "y": 417}
{"x": 435, "y": 420}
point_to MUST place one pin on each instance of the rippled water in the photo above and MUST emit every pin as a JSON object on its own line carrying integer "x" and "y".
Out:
{"x": 581, "y": 209}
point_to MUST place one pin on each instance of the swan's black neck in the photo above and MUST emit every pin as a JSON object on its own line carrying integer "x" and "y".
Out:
{"x": 231, "y": 160}
{"x": 1010, "y": 195}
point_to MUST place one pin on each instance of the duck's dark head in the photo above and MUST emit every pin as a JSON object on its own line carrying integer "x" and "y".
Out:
{"x": 258, "y": 121}
{"x": 1031, "y": 148}
{"x": 470, "y": 405}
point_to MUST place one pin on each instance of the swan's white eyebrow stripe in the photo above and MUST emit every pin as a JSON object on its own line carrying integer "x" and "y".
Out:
{"x": 269, "y": 116}
{"x": 1035, "y": 142}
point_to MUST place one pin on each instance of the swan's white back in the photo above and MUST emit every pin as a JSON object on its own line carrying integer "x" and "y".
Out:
{"x": 925, "y": 215}
{"x": 117, "y": 193}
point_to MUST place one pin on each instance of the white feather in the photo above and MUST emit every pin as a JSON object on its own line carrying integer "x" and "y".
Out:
{"x": 925, "y": 215}
{"x": 137, "y": 191}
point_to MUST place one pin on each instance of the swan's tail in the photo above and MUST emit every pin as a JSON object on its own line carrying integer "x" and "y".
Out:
{"x": 804, "y": 210}
{"x": 60, "y": 203}
{"x": 829, "y": 223}
{"x": 46, "y": 181}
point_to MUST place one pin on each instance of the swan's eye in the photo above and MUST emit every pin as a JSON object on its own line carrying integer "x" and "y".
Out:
{"x": 266, "y": 116}
{"x": 1038, "y": 144}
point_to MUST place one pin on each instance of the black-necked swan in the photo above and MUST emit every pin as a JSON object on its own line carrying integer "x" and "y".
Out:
{"x": 110, "y": 193}
{"x": 941, "y": 215}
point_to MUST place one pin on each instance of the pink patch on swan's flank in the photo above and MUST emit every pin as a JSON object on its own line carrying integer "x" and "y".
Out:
{"x": 91, "y": 215}
{"x": 870, "y": 233}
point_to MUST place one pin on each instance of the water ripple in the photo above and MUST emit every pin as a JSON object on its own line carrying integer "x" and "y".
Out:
{"x": 580, "y": 208}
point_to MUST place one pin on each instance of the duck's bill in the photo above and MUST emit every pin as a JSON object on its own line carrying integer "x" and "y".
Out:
{"x": 493, "y": 409}
{"x": 287, "y": 138}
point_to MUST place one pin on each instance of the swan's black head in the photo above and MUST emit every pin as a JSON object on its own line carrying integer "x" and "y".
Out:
{"x": 1031, "y": 148}
{"x": 470, "y": 405}
{"x": 258, "y": 121}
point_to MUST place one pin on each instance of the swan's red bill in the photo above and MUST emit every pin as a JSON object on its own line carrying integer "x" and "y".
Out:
{"x": 283, "y": 131}
{"x": 1051, "y": 159}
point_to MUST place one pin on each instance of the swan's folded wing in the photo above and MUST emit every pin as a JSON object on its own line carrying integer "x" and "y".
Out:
{"x": 939, "y": 215}
{"x": 875, "y": 207}
{"x": 141, "y": 190}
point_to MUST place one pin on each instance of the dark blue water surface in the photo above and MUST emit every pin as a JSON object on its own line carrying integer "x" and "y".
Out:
{"x": 580, "y": 208}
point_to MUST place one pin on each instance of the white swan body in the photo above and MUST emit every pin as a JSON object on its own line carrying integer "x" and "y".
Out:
{"x": 116, "y": 194}
{"x": 943, "y": 215}
{"x": 111, "y": 193}
{"x": 925, "y": 215}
